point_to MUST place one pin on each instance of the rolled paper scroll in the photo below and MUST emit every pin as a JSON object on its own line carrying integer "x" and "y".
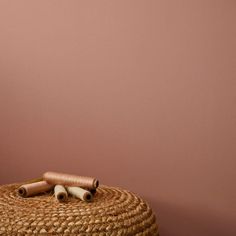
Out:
{"x": 80, "y": 193}
{"x": 70, "y": 180}
{"x": 31, "y": 189}
{"x": 60, "y": 193}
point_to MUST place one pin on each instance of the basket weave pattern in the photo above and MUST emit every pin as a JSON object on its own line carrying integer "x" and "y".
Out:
{"x": 113, "y": 212}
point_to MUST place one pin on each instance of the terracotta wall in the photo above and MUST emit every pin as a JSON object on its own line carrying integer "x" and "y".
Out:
{"x": 141, "y": 94}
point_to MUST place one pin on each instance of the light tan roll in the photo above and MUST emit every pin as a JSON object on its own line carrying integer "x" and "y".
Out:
{"x": 80, "y": 193}
{"x": 60, "y": 193}
{"x": 70, "y": 180}
{"x": 31, "y": 189}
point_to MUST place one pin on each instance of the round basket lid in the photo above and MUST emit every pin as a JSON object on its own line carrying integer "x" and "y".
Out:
{"x": 112, "y": 212}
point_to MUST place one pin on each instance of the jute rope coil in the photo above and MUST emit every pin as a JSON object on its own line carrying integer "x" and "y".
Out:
{"x": 113, "y": 212}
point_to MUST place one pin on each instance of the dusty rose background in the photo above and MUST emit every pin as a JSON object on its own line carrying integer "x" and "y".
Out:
{"x": 141, "y": 94}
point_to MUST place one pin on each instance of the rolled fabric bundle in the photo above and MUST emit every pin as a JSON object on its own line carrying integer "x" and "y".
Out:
{"x": 80, "y": 193}
{"x": 70, "y": 180}
{"x": 60, "y": 193}
{"x": 31, "y": 189}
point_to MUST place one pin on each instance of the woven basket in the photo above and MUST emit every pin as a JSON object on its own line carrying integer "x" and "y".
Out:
{"x": 113, "y": 212}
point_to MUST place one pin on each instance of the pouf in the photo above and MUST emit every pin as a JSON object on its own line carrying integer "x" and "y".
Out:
{"x": 112, "y": 212}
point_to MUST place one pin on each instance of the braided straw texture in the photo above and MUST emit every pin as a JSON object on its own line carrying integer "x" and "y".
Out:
{"x": 113, "y": 212}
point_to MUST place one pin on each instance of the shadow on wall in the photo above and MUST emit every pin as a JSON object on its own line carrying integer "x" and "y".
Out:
{"x": 177, "y": 220}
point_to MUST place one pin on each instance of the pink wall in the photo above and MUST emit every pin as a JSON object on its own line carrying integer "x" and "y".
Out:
{"x": 141, "y": 94}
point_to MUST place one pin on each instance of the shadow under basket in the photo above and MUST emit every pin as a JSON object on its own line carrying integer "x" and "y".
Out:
{"x": 112, "y": 212}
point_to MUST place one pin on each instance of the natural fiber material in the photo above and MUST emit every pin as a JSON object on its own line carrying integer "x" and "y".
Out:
{"x": 70, "y": 180}
{"x": 80, "y": 193}
{"x": 113, "y": 212}
{"x": 60, "y": 193}
{"x": 30, "y": 189}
